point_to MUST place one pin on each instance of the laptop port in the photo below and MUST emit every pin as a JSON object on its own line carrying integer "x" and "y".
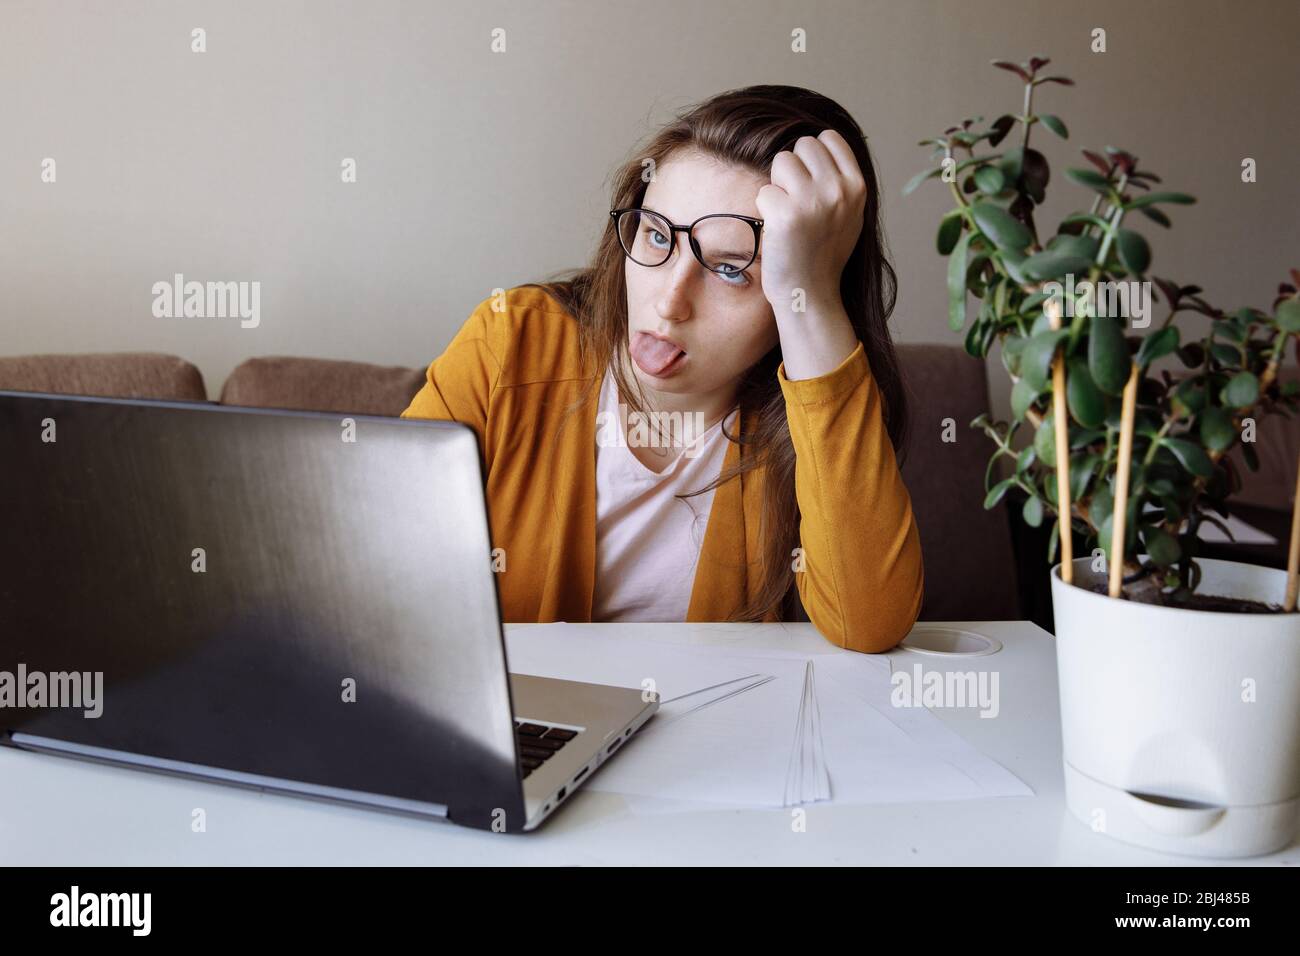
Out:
{"x": 613, "y": 746}
{"x": 560, "y": 796}
{"x": 582, "y": 773}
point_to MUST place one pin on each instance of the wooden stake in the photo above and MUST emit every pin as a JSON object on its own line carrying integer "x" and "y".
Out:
{"x": 1293, "y": 560}
{"x": 1061, "y": 426}
{"x": 1122, "y": 467}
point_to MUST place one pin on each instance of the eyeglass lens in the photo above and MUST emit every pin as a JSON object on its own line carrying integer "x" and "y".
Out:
{"x": 722, "y": 243}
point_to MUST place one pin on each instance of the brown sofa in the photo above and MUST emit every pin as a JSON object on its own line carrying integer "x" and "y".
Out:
{"x": 970, "y": 570}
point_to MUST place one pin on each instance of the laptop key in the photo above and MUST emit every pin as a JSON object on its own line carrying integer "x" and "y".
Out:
{"x": 559, "y": 733}
{"x": 530, "y": 730}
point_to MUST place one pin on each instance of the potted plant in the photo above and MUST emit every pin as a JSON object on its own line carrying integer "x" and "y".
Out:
{"x": 1179, "y": 677}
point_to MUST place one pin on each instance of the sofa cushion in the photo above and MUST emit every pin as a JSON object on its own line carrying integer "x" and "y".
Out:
{"x": 106, "y": 374}
{"x": 322, "y": 385}
{"x": 970, "y": 569}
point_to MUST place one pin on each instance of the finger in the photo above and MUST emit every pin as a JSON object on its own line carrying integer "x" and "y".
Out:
{"x": 789, "y": 172}
{"x": 817, "y": 158}
{"x": 842, "y": 153}
{"x": 771, "y": 199}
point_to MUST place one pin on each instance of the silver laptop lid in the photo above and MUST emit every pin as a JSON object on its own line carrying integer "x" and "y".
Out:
{"x": 298, "y": 595}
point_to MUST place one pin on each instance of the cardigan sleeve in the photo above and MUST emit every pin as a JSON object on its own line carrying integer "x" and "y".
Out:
{"x": 459, "y": 383}
{"x": 863, "y": 578}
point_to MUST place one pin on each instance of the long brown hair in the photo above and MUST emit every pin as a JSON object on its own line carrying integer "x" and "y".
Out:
{"x": 747, "y": 128}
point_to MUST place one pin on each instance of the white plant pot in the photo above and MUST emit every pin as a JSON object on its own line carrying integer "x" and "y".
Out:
{"x": 1181, "y": 729}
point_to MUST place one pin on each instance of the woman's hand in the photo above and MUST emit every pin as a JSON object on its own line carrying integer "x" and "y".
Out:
{"x": 812, "y": 217}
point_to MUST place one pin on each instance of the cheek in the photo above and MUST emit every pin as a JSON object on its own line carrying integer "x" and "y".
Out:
{"x": 753, "y": 337}
{"x": 634, "y": 282}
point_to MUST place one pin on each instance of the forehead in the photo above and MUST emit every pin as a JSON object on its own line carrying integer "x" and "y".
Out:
{"x": 689, "y": 185}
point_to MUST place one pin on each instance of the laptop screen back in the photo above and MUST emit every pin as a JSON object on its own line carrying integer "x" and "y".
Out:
{"x": 298, "y": 595}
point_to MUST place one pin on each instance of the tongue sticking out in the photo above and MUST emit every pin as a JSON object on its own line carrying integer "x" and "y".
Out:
{"x": 652, "y": 354}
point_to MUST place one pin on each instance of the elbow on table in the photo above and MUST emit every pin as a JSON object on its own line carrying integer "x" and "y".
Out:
{"x": 875, "y": 628}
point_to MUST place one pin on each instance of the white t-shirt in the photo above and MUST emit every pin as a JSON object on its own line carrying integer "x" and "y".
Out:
{"x": 648, "y": 542}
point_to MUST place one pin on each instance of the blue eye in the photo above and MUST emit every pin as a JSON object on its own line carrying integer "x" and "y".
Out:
{"x": 729, "y": 275}
{"x": 655, "y": 232}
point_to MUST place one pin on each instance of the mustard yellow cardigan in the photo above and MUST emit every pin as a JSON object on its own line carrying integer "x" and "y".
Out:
{"x": 511, "y": 374}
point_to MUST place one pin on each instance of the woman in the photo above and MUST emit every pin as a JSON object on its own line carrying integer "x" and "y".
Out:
{"x": 738, "y": 303}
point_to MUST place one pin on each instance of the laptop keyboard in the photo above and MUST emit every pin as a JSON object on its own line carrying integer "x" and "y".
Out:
{"x": 537, "y": 743}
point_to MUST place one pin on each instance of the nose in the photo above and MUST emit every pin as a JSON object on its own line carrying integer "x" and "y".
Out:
{"x": 679, "y": 276}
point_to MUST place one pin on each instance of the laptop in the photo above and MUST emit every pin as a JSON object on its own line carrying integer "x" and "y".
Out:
{"x": 299, "y": 602}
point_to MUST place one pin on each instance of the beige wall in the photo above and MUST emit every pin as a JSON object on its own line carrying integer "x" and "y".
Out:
{"x": 479, "y": 170}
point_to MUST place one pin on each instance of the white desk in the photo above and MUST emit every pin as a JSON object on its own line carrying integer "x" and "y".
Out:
{"x": 57, "y": 811}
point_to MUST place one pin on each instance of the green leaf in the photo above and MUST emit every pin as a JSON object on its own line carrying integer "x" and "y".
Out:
{"x": 1108, "y": 356}
{"x": 957, "y": 284}
{"x": 997, "y": 492}
{"x": 1083, "y": 437}
{"x": 1045, "y": 443}
{"x": 1147, "y": 199}
{"x": 990, "y": 180}
{"x": 1133, "y": 250}
{"x": 975, "y": 334}
{"x": 1081, "y": 471}
{"x": 1224, "y": 353}
{"x": 1156, "y": 216}
{"x": 1288, "y": 315}
{"x": 920, "y": 178}
{"x": 1101, "y": 505}
{"x": 1012, "y": 346}
{"x": 1085, "y": 247}
{"x": 1013, "y": 164}
{"x": 1090, "y": 178}
{"x": 1089, "y": 218}
{"x": 1242, "y": 390}
{"x": 1026, "y": 458}
{"x": 949, "y": 232}
{"x": 1036, "y": 359}
{"x": 1157, "y": 345}
{"x": 1032, "y": 302}
{"x": 1216, "y": 429}
{"x": 1191, "y": 456}
{"x": 1054, "y": 124}
{"x": 1161, "y": 546}
{"x": 1050, "y": 264}
{"x": 999, "y": 225}
{"x": 1013, "y": 261}
{"x": 1191, "y": 394}
{"x": 1033, "y": 511}
{"x": 1023, "y": 395}
{"x": 1086, "y": 402}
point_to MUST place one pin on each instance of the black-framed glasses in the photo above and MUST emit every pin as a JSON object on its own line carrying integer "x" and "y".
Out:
{"x": 723, "y": 242}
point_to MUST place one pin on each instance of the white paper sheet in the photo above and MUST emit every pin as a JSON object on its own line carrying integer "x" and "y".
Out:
{"x": 763, "y": 728}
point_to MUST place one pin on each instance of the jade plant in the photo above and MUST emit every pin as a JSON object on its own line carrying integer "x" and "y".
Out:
{"x": 1082, "y": 295}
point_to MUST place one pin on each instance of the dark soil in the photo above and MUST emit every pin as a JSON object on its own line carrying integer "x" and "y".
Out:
{"x": 1200, "y": 602}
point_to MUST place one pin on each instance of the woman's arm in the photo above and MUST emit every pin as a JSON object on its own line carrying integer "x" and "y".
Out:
{"x": 863, "y": 578}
